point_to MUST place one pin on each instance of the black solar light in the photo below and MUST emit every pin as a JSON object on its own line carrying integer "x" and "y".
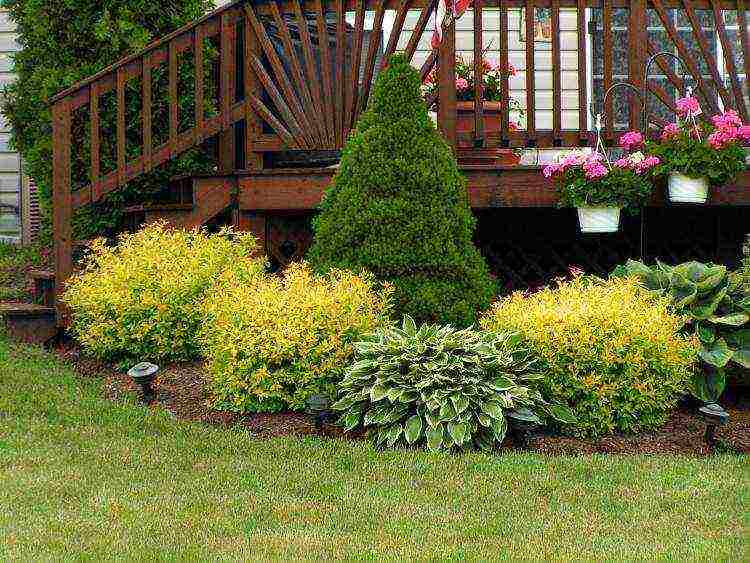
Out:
{"x": 144, "y": 374}
{"x": 522, "y": 422}
{"x": 319, "y": 407}
{"x": 714, "y": 416}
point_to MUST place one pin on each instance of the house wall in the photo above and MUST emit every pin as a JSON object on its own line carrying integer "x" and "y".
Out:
{"x": 13, "y": 201}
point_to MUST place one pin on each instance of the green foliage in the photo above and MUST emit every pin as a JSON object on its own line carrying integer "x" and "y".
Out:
{"x": 141, "y": 300}
{"x": 621, "y": 187}
{"x": 612, "y": 349}
{"x": 440, "y": 387}
{"x": 717, "y": 306}
{"x": 273, "y": 341}
{"x": 65, "y": 41}
{"x": 398, "y": 207}
{"x": 15, "y": 263}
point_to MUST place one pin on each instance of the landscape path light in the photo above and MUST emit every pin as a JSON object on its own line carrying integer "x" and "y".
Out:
{"x": 144, "y": 374}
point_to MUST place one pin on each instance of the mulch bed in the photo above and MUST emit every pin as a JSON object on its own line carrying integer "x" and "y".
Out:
{"x": 182, "y": 390}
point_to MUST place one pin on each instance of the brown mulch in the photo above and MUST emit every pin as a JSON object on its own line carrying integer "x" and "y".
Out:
{"x": 181, "y": 390}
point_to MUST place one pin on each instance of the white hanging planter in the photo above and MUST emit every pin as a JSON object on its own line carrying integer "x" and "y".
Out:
{"x": 599, "y": 219}
{"x": 684, "y": 189}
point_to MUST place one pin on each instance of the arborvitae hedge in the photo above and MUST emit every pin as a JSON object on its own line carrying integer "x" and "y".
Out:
{"x": 64, "y": 41}
{"x": 398, "y": 207}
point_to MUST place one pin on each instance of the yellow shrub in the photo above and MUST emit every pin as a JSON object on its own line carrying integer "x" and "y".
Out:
{"x": 141, "y": 299}
{"x": 272, "y": 341}
{"x": 613, "y": 350}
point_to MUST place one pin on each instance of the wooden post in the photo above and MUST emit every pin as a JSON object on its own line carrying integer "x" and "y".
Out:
{"x": 62, "y": 201}
{"x": 447, "y": 85}
{"x": 253, "y": 160}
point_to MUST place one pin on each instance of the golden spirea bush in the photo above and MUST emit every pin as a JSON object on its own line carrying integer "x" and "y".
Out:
{"x": 141, "y": 299}
{"x": 272, "y": 341}
{"x": 613, "y": 351}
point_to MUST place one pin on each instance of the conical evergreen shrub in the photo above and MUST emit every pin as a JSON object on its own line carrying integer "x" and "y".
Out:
{"x": 398, "y": 207}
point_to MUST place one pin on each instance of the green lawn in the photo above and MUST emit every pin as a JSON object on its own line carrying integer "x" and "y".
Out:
{"x": 81, "y": 477}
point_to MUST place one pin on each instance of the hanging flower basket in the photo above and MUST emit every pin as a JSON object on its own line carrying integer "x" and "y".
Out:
{"x": 684, "y": 189}
{"x": 601, "y": 189}
{"x": 697, "y": 154}
{"x": 599, "y": 219}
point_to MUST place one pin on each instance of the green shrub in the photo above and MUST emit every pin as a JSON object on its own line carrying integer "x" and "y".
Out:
{"x": 398, "y": 207}
{"x": 613, "y": 351}
{"x": 440, "y": 386}
{"x": 272, "y": 341}
{"x": 716, "y": 304}
{"x": 141, "y": 299}
{"x": 65, "y": 41}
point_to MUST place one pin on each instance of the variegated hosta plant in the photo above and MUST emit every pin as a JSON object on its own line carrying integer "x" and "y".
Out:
{"x": 440, "y": 386}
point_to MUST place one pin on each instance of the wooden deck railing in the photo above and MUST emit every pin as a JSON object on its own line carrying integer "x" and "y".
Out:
{"x": 296, "y": 92}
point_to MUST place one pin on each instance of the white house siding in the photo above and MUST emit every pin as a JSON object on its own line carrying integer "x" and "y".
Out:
{"x": 11, "y": 200}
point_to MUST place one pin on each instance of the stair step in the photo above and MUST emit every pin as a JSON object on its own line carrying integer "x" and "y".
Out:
{"x": 28, "y": 322}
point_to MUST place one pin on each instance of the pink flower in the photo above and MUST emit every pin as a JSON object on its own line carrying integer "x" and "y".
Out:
{"x": 729, "y": 118}
{"x": 744, "y": 132}
{"x": 688, "y": 107}
{"x": 631, "y": 140}
{"x": 462, "y": 83}
{"x": 646, "y": 164}
{"x": 670, "y": 130}
{"x": 595, "y": 171}
{"x": 551, "y": 170}
{"x": 722, "y": 137}
{"x": 513, "y": 126}
{"x": 623, "y": 162}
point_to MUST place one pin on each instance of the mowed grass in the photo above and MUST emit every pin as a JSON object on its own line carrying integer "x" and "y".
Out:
{"x": 81, "y": 477}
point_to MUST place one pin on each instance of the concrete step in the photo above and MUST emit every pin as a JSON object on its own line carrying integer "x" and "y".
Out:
{"x": 28, "y": 322}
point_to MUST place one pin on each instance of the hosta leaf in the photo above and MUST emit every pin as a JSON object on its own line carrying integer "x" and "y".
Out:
{"x": 393, "y": 434}
{"x": 706, "y": 334}
{"x": 503, "y": 383}
{"x": 739, "y": 341}
{"x": 378, "y": 392}
{"x": 562, "y": 413}
{"x": 708, "y": 385}
{"x": 716, "y": 354}
{"x": 459, "y": 432}
{"x": 737, "y": 319}
{"x": 484, "y": 420}
{"x": 705, "y": 308}
{"x": 344, "y": 403}
{"x": 350, "y": 420}
{"x": 408, "y": 396}
{"x": 684, "y": 292}
{"x": 435, "y": 438}
{"x": 413, "y": 429}
{"x": 447, "y": 412}
{"x": 493, "y": 409}
{"x": 432, "y": 418}
{"x": 460, "y": 403}
{"x": 499, "y": 428}
{"x": 409, "y": 326}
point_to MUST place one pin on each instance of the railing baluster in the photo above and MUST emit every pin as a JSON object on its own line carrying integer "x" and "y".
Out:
{"x": 353, "y": 96}
{"x": 375, "y": 39}
{"x": 398, "y": 26}
{"x": 120, "y": 126}
{"x": 172, "y": 94}
{"x": 253, "y": 160}
{"x": 447, "y": 85}
{"x": 606, "y": 21}
{"x": 637, "y": 36}
{"x": 685, "y": 54}
{"x": 729, "y": 55}
{"x": 146, "y": 86}
{"x": 199, "y": 81}
{"x": 504, "y": 82}
{"x": 416, "y": 35}
{"x": 478, "y": 76}
{"x": 742, "y": 24}
{"x": 325, "y": 66}
{"x": 340, "y": 71}
{"x": 530, "y": 75}
{"x": 583, "y": 108}
{"x": 556, "y": 77}
{"x": 226, "y": 93}
{"x": 62, "y": 201}
{"x": 94, "y": 124}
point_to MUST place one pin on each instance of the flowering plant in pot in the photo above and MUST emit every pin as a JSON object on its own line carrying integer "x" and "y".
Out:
{"x": 696, "y": 155}
{"x": 600, "y": 189}
{"x": 492, "y": 100}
